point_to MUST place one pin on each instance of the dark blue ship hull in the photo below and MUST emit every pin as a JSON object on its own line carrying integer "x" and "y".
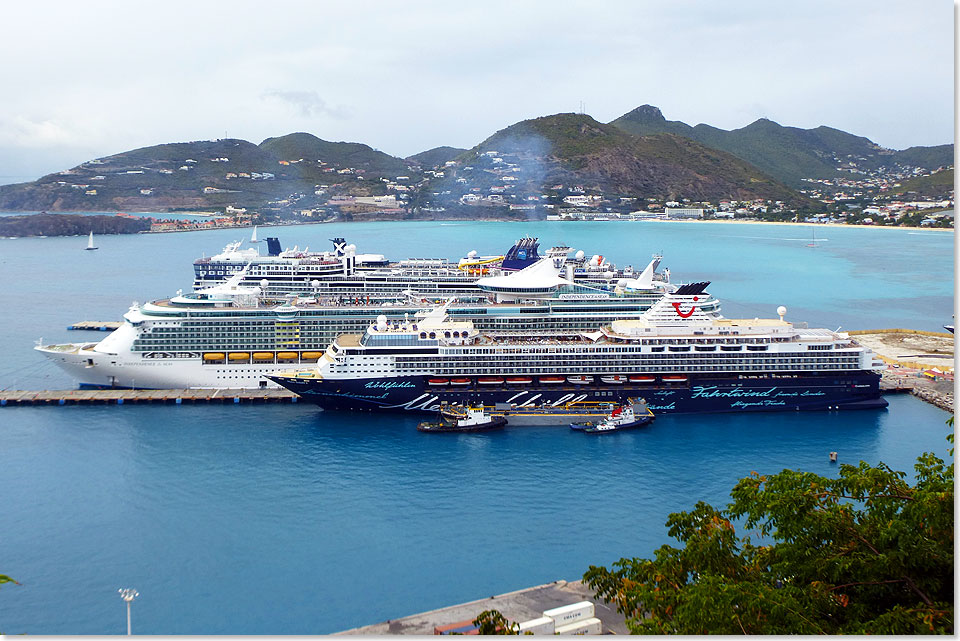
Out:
{"x": 698, "y": 395}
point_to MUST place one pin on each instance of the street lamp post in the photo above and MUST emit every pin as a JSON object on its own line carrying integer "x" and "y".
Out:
{"x": 128, "y": 595}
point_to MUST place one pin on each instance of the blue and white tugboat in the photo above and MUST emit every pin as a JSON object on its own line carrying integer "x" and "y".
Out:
{"x": 471, "y": 419}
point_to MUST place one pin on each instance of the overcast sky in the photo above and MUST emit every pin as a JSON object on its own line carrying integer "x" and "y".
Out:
{"x": 87, "y": 79}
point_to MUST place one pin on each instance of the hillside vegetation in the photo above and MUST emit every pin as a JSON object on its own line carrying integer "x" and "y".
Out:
{"x": 788, "y": 154}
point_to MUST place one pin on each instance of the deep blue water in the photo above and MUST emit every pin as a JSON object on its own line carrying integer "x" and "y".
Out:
{"x": 283, "y": 519}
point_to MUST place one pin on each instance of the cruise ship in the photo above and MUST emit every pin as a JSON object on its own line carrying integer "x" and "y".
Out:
{"x": 234, "y": 335}
{"x": 344, "y": 273}
{"x": 681, "y": 355}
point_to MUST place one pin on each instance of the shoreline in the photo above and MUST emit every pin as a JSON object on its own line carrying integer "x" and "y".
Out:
{"x": 487, "y": 220}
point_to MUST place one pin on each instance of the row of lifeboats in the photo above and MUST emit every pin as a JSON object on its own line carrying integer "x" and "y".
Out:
{"x": 260, "y": 357}
{"x": 614, "y": 379}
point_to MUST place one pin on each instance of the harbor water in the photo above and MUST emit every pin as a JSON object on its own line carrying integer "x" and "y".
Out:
{"x": 284, "y": 519}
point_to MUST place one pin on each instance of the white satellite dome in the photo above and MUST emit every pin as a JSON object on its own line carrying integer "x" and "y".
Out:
{"x": 579, "y": 255}
{"x": 263, "y": 283}
{"x": 381, "y": 322}
{"x": 781, "y": 312}
{"x": 472, "y": 253}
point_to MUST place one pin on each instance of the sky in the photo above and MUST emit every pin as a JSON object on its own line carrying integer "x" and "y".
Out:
{"x": 83, "y": 80}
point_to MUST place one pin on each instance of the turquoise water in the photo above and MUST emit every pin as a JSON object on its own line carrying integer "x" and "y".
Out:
{"x": 284, "y": 519}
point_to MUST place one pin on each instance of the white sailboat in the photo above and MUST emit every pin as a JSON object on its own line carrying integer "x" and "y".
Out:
{"x": 90, "y": 244}
{"x": 253, "y": 236}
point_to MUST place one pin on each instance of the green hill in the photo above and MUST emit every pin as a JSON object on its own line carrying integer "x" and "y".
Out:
{"x": 310, "y": 149}
{"x": 578, "y": 149}
{"x": 788, "y": 154}
{"x": 435, "y": 157}
{"x": 938, "y": 185}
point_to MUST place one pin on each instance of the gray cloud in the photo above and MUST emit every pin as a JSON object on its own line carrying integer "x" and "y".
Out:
{"x": 308, "y": 103}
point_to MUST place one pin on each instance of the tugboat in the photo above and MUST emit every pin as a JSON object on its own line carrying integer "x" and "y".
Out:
{"x": 472, "y": 419}
{"x": 634, "y": 414}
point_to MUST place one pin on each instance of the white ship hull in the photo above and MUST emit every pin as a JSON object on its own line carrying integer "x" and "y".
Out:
{"x": 92, "y": 368}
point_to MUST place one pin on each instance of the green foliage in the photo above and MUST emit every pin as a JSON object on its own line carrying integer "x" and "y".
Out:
{"x": 788, "y": 154}
{"x": 492, "y": 622}
{"x": 70, "y": 225}
{"x": 865, "y": 553}
{"x": 936, "y": 185}
{"x": 5, "y": 579}
{"x": 436, "y": 157}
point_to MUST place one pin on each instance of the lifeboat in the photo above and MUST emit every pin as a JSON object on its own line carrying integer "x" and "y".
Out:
{"x": 641, "y": 379}
{"x": 615, "y": 379}
{"x": 580, "y": 380}
{"x": 239, "y": 356}
{"x": 490, "y": 380}
{"x": 213, "y": 356}
{"x": 311, "y": 356}
{"x": 287, "y": 355}
{"x": 438, "y": 382}
{"x": 459, "y": 381}
{"x": 263, "y": 356}
{"x": 519, "y": 380}
{"x": 675, "y": 379}
{"x": 552, "y": 380}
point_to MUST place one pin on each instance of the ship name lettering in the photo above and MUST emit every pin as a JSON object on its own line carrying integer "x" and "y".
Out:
{"x": 713, "y": 391}
{"x": 387, "y": 385}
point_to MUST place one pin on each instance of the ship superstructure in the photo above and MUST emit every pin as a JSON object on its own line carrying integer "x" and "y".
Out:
{"x": 681, "y": 355}
{"x": 345, "y": 273}
{"x": 235, "y": 335}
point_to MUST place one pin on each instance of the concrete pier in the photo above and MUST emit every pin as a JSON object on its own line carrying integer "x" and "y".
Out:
{"x": 12, "y": 398}
{"x": 522, "y": 605}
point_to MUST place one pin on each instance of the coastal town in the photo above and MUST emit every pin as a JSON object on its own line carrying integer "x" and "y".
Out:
{"x": 500, "y": 185}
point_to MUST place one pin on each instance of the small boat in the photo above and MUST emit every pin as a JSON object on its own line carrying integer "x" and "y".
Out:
{"x": 470, "y": 419}
{"x": 613, "y": 380}
{"x": 580, "y": 380}
{"x": 459, "y": 381}
{"x": 674, "y": 379}
{"x": 490, "y": 380}
{"x": 552, "y": 380}
{"x": 634, "y": 414}
{"x": 437, "y": 382}
{"x": 90, "y": 245}
{"x": 519, "y": 380}
{"x": 642, "y": 379}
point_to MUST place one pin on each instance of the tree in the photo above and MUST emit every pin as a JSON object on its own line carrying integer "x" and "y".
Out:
{"x": 863, "y": 553}
{"x": 493, "y": 622}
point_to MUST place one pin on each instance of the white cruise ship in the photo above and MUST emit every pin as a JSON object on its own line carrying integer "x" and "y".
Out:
{"x": 343, "y": 273}
{"x": 233, "y": 335}
{"x": 681, "y": 356}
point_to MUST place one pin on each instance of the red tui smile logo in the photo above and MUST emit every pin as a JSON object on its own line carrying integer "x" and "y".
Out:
{"x": 693, "y": 308}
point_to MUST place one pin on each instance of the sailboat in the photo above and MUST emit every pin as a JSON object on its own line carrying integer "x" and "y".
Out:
{"x": 253, "y": 236}
{"x": 813, "y": 243}
{"x": 90, "y": 244}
